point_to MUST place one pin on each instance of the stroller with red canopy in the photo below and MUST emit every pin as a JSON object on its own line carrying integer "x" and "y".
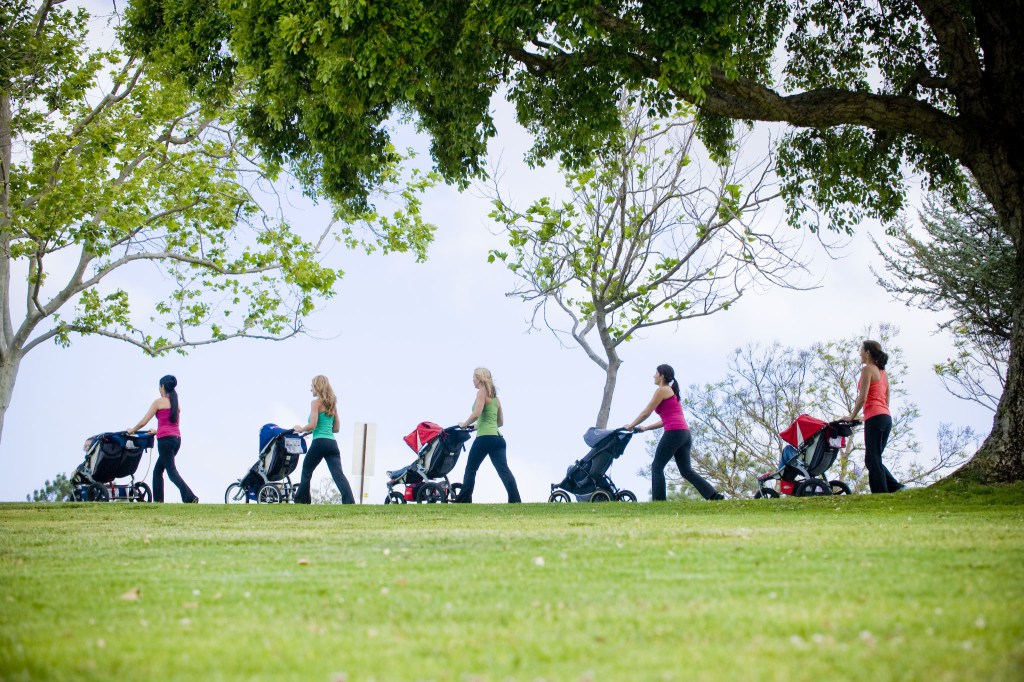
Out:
{"x": 426, "y": 480}
{"x": 813, "y": 447}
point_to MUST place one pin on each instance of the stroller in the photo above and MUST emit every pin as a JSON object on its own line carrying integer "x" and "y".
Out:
{"x": 587, "y": 479}
{"x": 426, "y": 479}
{"x": 267, "y": 481}
{"x": 110, "y": 456}
{"x": 813, "y": 447}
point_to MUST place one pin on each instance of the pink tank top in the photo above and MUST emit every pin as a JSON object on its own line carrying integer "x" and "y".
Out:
{"x": 671, "y": 412}
{"x": 164, "y": 426}
{"x": 876, "y": 402}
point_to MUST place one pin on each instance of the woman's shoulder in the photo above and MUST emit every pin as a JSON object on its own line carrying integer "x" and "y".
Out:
{"x": 162, "y": 403}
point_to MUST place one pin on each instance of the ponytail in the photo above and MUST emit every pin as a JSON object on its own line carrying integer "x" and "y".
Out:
{"x": 168, "y": 383}
{"x": 878, "y": 356}
{"x": 483, "y": 375}
{"x": 669, "y": 375}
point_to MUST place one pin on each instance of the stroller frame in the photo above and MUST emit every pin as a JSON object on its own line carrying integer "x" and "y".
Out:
{"x": 268, "y": 481}
{"x": 94, "y": 480}
{"x": 580, "y": 481}
{"x": 426, "y": 479}
{"x": 806, "y": 470}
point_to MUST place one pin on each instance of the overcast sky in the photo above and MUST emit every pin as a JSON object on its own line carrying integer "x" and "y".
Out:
{"x": 399, "y": 343}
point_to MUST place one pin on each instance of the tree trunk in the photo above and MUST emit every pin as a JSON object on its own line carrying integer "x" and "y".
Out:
{"x": 610, "y": 376}
{"x": 9, "y": 364}
{"x": 1001, "y": 457}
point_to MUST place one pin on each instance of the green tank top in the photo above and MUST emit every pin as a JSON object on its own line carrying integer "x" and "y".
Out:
{"x": 487, "y": 423}
{"x": 324, "y": 427}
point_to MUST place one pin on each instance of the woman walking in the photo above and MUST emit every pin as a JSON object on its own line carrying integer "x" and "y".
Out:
{"x": 168, "y": 440}
{"x": 676, "y": 441}
{"x": 323, "y": 422}
{"x": 873, "y": 396}
{"x": 489, "y": 442}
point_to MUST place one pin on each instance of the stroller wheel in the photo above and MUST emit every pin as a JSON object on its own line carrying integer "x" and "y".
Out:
{"x": 600, "y": 496}
{"x": 430, "y": 493}
{"x": 142, "y": 492}
{"x": 811, "y": 487}
{"x": 453, "y": 491}
{"x": 625, "y": 496}
{"x": 839, "y": 488}
{"x": 559, "y": 496}
{"x": 236, "y": 494}
{"x": 394, "y": 498}
{"x": 98, "y": 493}
{"x": 765, "y": 493}
{"x": 268, "y": 494}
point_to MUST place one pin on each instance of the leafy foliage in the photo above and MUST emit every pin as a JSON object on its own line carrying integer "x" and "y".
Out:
{"x": 57, "y": 490}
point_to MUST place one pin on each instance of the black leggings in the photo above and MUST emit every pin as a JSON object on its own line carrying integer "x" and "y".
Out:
{"x": 676, "y": 444}
{"x": 876, "y": 435}
{"x": 494, "y": 446}
{"x": 167, "y": 447}
{"x": 325, "y": 449}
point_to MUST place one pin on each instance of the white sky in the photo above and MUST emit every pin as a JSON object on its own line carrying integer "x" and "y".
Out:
{"x": 400, "y": 341}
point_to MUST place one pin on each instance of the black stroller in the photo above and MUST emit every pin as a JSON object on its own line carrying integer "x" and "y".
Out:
{"x": 587, "y": 479}
{"x": 110, "y": 456}
{"x": 267, "y": 481}
{"x": 813, "y": 447}
{"x": 426, "y": 479}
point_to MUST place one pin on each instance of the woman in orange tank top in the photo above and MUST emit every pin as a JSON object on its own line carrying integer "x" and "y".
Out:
{"x": 873, "y": 396}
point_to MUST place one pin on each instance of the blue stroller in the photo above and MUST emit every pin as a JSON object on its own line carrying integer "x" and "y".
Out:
{"x": 267, "y": 481}
{"x": 110, "y": 456}
{"x": 587, "y": 479}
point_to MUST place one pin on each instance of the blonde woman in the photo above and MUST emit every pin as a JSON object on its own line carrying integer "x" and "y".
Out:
{"x": 489, "y": 442}
{"x": 323, "y": 423}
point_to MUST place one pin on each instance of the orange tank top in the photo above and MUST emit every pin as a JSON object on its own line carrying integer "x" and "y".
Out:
{"x": 877, "y": 403}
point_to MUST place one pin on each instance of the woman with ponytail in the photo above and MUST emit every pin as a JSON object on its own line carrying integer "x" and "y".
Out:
{"x": 489, "y": 442}
{"x": 676, "y": 441}
{"x": 323, "y": 422}
{"x": 873, "y": 396}
{"x": 168, "y": 440}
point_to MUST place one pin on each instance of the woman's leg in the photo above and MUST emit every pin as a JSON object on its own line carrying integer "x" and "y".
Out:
{"x": 333, "y": 459}
{"x": 309, "y": 463}
{"x": 476, "y": 455}
{"x": 498, "y": 455}
{"x": 168, "y": 449}
{"x": 669, "y": 443}
{"x": 682, "y": 456}
{"x": 158, "y": 472}
{"x": 876, "y": 435}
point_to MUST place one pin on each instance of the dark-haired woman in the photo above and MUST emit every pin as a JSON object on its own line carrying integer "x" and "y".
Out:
{"x": 675, "y": 442}
{"x": 168, "y": 440}
{"x": 873, "y": 396}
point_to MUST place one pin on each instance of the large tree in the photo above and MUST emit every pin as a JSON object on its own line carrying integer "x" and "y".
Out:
{"x": 652, "y": 233}
{"x": 105, "y": 168}
{"x": 870, "y": 88}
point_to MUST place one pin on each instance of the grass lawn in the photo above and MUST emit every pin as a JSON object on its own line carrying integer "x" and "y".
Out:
{"x": 924, "y": 585}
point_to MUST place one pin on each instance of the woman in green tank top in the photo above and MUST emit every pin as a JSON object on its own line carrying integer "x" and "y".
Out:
{"x": 323, "y": 423}
{"x": 489, "y": 442}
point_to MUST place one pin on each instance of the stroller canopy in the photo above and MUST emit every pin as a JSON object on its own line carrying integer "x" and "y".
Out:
{"x": 268, "y": 433}
{"x": 803, "y": 429}
{"x": 422, "y": 434}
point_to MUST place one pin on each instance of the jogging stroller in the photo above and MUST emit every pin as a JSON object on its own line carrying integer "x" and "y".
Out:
{"x": 813, "y": 447}
{"x": 267, "y": 481}
{"x": 426, "y": 479}
{"x": 587, "y": 478}
{"x": 110, "y": 456}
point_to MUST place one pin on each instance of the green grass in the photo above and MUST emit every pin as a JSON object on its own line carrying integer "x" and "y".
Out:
{"x": 925, "y": 585}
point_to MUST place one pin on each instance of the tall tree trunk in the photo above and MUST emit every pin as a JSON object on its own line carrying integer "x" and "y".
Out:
{"x": 1001, "y": 457}
{"x": 610, "y": 376}
{"x": 9, "y": 364}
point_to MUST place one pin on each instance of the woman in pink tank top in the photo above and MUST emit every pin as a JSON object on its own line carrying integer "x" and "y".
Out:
{"x": 873, "y": 396}
{"x": 676, "y": 442}
{"x": 168, "y": 440}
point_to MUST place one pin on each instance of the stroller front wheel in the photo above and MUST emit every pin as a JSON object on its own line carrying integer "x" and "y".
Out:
{"x": 236, "y": 494}
{"x": 768, "y": 493}
{"x": 394, "y": 498}
{"x": 559, "y": 496}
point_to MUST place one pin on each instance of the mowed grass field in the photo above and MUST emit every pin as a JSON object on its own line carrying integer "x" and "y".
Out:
{"x": 924, "y": 585}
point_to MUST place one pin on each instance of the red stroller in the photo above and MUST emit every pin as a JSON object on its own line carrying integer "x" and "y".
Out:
{"x": 813, "y": 447}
